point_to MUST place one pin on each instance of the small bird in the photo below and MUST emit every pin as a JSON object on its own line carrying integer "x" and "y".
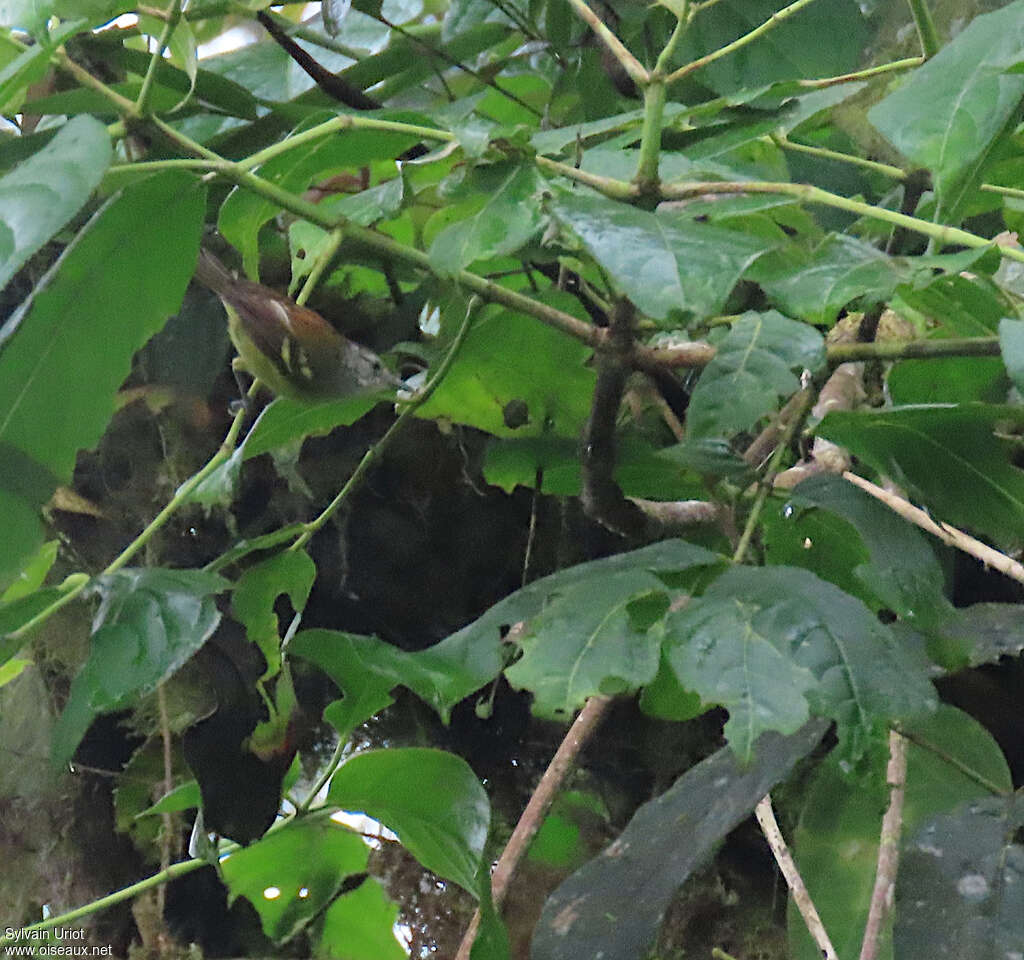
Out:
{"x": 291, "y": 349}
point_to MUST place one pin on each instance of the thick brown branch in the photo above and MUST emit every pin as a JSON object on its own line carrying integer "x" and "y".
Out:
{"x": 601, "y": 496}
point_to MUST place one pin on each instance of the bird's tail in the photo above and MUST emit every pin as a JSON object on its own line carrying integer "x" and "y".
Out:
{"x": 210, "y": 272}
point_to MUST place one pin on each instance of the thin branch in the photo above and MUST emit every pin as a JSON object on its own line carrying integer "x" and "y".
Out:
{"x": 171, "y": 20}
{"x": 946, "y": 533}
{"x": 823, "y": 153}
{"x": 636, "y": 70}
{"x": 773, "y": 21}
{"x": 888, "y": 848}
{"x": 119, "y": 896}
{"x": 799, "y": 411}
{"x": 802, "y": 899}
{"x": 530, "y": 822}
{"x": 374, "y": 453}
{"x": 809, "y": 194}
{"x": 894, "y": 67}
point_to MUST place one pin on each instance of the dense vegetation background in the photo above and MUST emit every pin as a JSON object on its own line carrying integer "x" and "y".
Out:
{"x": 694, "y": 301}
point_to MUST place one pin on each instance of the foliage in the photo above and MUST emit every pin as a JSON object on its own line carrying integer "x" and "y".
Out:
{"x": 629, "y": 310}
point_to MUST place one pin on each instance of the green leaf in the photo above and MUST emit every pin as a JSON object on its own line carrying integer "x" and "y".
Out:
{"x": 294, "y": 873}
{"x": 32, "y": 574}
{"x": 613, "y": 905}
{"x": 253, "y": 599}
{"x": 952, "y": 110}
{"x": 640, "y": 468}
{"x": 578, "y": 647}
{"x": 836, "y": 841}
{"x": 665, "y": 263}
{"x": 901, "y": 568}
{"x": 463, "y": 662}
{"x": 72, "y": 341}
{"x": 360, "y": 925}
{"x": 752, "y": 368}
{"x": 817, "y": 284}
{"x": 149, "y": 622}
{"x": 430, "y": 798}
{"x": 960, "y": 890}
{"x": 508, "y": 357}
{"x": 505, "y": 218}
{"x": 946, "y": 456}
{"x": 41, "y": 195}
{"x": 775, "y": 645}
{"x": 29, "y": 65}
{"x": 185, "y": 796}
{"x": 287, "y": 421}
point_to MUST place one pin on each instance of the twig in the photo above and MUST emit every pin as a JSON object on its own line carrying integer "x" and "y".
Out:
{"x": 799, "y": 412}
{"x": 540, "y": 802}
{"x": 636, "y": 70}
{"x": 888, "y": 848}
{"x": 946, "y": 533}
{"x": 773, "y": 21}
{"x": 802, "y": 899}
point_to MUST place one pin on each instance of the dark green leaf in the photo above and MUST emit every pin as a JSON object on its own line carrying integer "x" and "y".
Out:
{"x": 901, "y": 568}
{"x": 665, "y": 263}
{"x": 149, "y": 622}
{"x": 430, "y": 798}
{"x": 462, "y": 663}
{"x": 816, "y": 285}
{"x": 946, "y": 456}
{"x": 612, "y": 907}
{"x": 949, "y": 114}
{"x": 960, "y": 891}
{"x": 794, "y": 49}
{"x": 753, "y": 367}
{"x": 41, "y": 195}
{"x": 836, "y": 842}
{"x": 775, "y": 645}
{"x": 72, "y": 341}
{"x": 292, "y": 874}
{"x": 640, "y": 468}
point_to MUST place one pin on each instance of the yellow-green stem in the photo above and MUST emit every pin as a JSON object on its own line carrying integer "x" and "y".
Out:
{"x": 171, "y": 20}
{"x": 823, "y": 153}
{"x": 324, "y": 258}
{"x": 374, "y": 453}
{"x": 650, "y": 137}
{"x": 807, "y": 395}
{"x": 636, "y": 70}
{"x": 773, "y": 21}
{"x": 893, "y": 67}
